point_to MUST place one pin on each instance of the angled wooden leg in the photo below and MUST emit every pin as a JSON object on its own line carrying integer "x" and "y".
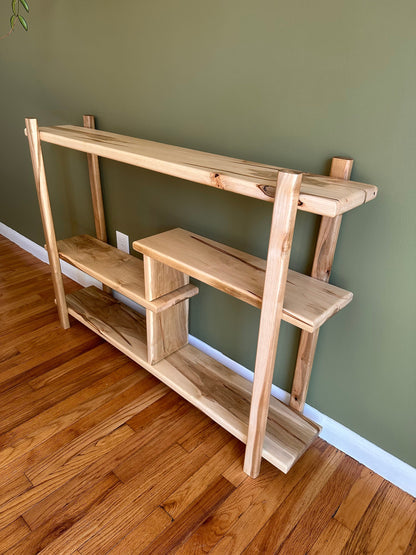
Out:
{"x": 281, "y": 234}
{"x": 32, "y": 130}
{"x": 167, "y": 331}
{"x": 321, "y": 269}
{"x": 96, "y": 192}
{"x": 95, "y": 184}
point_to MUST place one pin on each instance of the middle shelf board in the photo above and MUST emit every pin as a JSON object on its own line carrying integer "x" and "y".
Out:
{"x": 308, "y": 302}
{"x": 212, "y": 387}
{"x": 117, "y": 269}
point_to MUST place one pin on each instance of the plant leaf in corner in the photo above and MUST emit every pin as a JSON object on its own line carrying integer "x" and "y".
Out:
{"x": 14, "y": 7}
{"x": 25, "y": 5}
{"x": 23, "y": 22}
{"x": 12, "y": 21}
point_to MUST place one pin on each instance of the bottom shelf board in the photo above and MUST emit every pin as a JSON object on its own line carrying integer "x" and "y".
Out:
{"x": 210, "y": 386}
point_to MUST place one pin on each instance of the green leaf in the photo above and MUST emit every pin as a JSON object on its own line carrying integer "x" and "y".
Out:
{"x": 23, "y": 22}
{"x": 12, "y": 21}
{"x": 25, "y": 5}
{"x": 14, "y": 2}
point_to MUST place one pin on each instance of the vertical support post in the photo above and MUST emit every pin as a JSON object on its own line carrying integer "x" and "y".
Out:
{"x": 321, "y": 269}
{"x": 33, "y": 136}
{"x": 167, "y": 331}
{"x": 280, "y": 243}
{"x": 95, "y": 183}
{"x": 96, "y": 191}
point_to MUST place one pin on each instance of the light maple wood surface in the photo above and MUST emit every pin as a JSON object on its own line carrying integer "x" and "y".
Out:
{"x": 167, "y": 330}
{"x": 46, "y": 215}
{"x": 319, "y": 194}
{"x": 278, "y": 255}
{"x": 174, "y": 482}
{"x": 95, "y": 184}
{"x": 321, "y": 270}
{"x": 120, "y": 271}
{"x": 220, "y": 393}
{"x": 308, "y": 302}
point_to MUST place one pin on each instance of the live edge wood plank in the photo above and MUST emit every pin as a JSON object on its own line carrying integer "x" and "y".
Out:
{"x": 120, "y": 271}
{"x": 308, "y": 302}
{"x": 216, "y": 390}
{"x": 319, "y": 194}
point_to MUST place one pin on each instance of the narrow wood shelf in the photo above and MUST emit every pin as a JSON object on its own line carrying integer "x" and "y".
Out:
{"x": 213, "y": 388}
{"x": 308, "y": 302}
{"x": 319, "y": 194}
{"x": 120, "y": 271}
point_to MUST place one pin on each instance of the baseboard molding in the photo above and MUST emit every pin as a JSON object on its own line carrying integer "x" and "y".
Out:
{"x": 383, "y": 463}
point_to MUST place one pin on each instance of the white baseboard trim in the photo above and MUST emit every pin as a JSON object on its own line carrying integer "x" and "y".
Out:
{"x": 376, "y": 459}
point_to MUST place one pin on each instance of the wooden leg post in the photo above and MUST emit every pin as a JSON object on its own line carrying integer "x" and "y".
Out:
{"x": 283, "y": 222}
{"x": 33, "y": 136}
{"x": 96, "y": 192}
{"x": 167, "y": 331}
{"x": 321, "y": 269}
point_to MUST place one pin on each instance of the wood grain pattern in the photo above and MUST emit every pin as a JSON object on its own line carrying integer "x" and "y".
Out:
{"x": 322, "y": 264}
{"x": 112, "y": 501}
{"x": 280, "y": 244}
{"x": 95, "y": 184}
{"x": 319, "y": 194}
{"x": 217, "y": 391}
{"x": 167, "y": 331}
{"x": 47, "y": 220}
{"x": 308, "y": 303}
{"x": 120, "y": 271}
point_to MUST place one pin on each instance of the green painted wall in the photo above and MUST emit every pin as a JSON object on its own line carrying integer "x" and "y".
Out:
{"x": 288, "y": 83}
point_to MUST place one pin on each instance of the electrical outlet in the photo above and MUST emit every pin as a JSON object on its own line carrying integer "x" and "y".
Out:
{"x": 123, "y": 242}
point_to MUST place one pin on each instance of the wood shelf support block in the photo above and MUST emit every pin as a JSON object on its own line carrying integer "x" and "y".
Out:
{"x": 280, "y": 243}
{"x": 322, "y": 264}
{"x": 167, "y": 331}
{"x": 47, "y": 220}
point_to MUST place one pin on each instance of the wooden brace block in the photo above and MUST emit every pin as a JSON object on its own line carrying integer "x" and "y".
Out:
{"x": 167, "y": 331}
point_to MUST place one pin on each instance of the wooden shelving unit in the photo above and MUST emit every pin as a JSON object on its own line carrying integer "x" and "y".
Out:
{"x": 160, "y": 283}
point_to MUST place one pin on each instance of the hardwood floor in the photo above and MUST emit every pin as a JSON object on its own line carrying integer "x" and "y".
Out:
{"x": 97, "y": 456}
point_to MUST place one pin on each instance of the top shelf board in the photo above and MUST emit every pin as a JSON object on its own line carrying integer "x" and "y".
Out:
{"x": 323, "y": 195}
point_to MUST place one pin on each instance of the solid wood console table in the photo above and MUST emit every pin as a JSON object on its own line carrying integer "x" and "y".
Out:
{"x": 161, "y": 284}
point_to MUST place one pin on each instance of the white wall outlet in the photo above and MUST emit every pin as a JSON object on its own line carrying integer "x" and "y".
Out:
{"x": 123, "y": 242}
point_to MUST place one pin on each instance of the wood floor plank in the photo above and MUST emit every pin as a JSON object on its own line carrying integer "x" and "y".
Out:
{"x": 411, "y": 548}
{"x": 235, "y": 473}
{"x": 149, "y": 458}
{"x": 15, "y": 374}
{"x": 83, "y": 374}
{"x": 13, "y": 533}
{"x": 190, "y": 490}
{"x": 103, "y": 527}
{"x": 150, "y": 393}
{"x": 397, "y": 535}
{"x": 154, "y": 437}
{"x": 198, "y": 511}
{"x": 142, "y": 535}
{"x": 20, "y": 504}
{"x": 355, "y": 504}
{"x": 319, "y": 513}
{"x": 332, "y": 540}
{"x": 127, "y": 391}
{"x": 60, "y": 520}
{"x": 275, "y": 514}
{"x": 13, "y": 488}
{"x": 35, "y": 431}
{"x": 377, "y": 520}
